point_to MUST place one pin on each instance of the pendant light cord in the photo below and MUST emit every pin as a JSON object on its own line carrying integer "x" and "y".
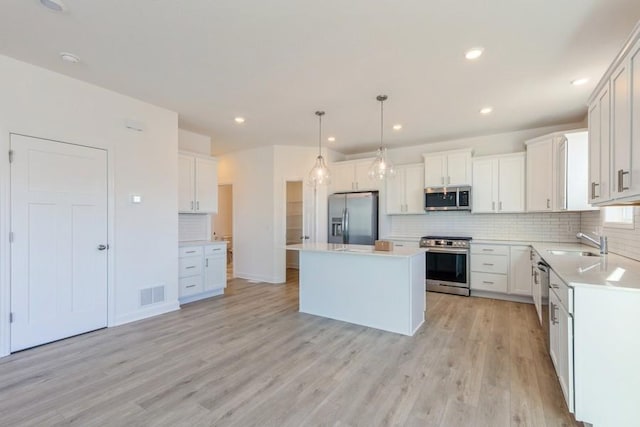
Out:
{"x": 319, "y": 114}
{"x": 381, "y": 122}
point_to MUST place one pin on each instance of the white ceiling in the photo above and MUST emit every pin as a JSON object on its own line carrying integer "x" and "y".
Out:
{"x": 275, "y": 62}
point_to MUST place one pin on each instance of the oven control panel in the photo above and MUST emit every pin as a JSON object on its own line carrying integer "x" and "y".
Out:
{"x": 427, "y": 242}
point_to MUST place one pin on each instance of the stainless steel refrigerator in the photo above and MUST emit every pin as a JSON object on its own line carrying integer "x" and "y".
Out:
{"x": 353, "y": 218}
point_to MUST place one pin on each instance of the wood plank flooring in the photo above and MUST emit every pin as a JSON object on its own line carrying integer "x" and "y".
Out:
{"x": 249, "y": 358}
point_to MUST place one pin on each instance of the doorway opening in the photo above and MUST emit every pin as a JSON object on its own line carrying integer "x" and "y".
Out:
{"x": 222, "y": 222}
{"x": 294, "y": 224}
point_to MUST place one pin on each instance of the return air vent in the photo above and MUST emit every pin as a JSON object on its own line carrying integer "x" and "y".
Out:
{"x": 151, "y": 295}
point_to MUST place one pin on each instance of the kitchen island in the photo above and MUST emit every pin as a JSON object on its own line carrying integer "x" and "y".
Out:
{"x": 356, "y": 284}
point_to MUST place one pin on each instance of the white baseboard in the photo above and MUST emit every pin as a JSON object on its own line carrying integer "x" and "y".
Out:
{"x": 146, "y": 313}
{"x": 203, "y": 295}
{"x": 257, "y": 278}
{"x": 505, "y": 297}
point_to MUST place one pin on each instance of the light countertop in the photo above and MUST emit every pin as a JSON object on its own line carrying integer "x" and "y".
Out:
{"x": 611, "y": 270}
{"x": 355, "y": 249}
{"x": 201, "y": 243}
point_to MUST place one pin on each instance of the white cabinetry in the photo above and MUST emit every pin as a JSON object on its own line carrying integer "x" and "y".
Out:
{"x": 557, "y": 170}
{"x": 405, "y": 191}
{"x": 197, "y": 184}
{"x": 561, "y": 335}
{"x": 447, "y": 168}
{"x": 520, "y": 270}
{"x": 202, "y": 271}
{"x": 499, "y": 183}
{"x": 614, "y": 130}
{"x": 352, "y": 175}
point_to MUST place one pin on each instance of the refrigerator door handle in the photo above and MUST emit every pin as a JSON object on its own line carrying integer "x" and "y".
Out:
{"x": 345, "y": 226}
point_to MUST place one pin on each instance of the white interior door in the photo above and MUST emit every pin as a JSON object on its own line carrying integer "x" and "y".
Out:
{"x": 59, "y": 221}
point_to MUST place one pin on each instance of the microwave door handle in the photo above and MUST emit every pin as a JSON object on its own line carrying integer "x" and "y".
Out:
{"x": 447, "y": 250}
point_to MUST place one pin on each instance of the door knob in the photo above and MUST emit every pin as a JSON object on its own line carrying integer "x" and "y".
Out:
{"x": 103, "y": 247}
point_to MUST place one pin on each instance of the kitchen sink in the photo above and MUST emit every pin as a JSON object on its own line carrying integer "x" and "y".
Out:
{"x": 573, "y": 253}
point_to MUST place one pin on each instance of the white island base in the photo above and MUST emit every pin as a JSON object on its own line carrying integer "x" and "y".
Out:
{"x": 355, "y": 284}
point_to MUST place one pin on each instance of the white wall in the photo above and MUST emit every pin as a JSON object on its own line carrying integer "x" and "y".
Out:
{"x": 143, "y": 238}
{"x": 194, "y": 142}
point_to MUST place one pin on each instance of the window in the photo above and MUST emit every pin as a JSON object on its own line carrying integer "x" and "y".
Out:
{"x": 620, "y": 217}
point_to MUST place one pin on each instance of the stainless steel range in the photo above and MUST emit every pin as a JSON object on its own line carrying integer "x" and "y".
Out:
{"x": 447, "y": 264}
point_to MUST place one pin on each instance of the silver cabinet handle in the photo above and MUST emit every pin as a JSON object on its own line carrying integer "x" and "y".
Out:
{"x": 621, "y": 174}
{"x": 499, "y": 206}
{"x": 493, "y": 206}
{"x": 487, "y": 250}
{"x": 486, "y": 263}
{"x": 103, "y": 247}
{"x": 191, "y": 266}
{"x": 593, "y": 189}
{"x": 198, "y": 205}
{"x": 548, "y": 203}
{"x": 553, "y": 309}
{"x": 554, "y": 286}
{"x": 487, "y": 282}
{"x": 191, "y": 286}
{"x": 191, "y": 252}
{"x": 192, "y": 205}
{"x": 206, "y": 262}
{"x": 448, "y": 180}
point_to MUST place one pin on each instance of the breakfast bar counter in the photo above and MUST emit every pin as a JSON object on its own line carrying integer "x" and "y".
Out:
{"x": 357, "y": 284}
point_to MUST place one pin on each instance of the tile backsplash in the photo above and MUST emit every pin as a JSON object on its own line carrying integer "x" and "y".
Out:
{"x": 551, "y": 227}
{"x": 194, "y": 227}
{"x": 622, "y": 241}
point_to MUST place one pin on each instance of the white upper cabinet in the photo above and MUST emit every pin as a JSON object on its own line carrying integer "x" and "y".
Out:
{"x": 447, "y": 168}
{"x": 197, "y": 184}
{"x": 498, "y": 183}
{"x": 614, "y": 130}
{"x": 557, "y": 172}
{"x": 352, "y": 175}
{"x": 405, "y": 191}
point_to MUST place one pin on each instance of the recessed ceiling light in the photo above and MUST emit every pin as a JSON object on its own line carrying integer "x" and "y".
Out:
{"x": 55, "y": 5}
{"x": 397, "y": 126}
{"x": 239, "y": 120}
{"x": 331, "y": 139}
{"x": 581, "y": 81}
{"x": 69, "y": 57}
{"x": 486, "y": 110}
{"x": 474, "y": 53}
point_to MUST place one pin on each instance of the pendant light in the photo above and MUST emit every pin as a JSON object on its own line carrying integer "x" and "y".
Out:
{"x": 319, "y": 174}
{"x": 381, "y": 167}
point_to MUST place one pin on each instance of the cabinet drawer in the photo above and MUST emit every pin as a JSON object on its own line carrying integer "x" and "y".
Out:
{"x": 190, "y": 266}
{"x": 490, "y": 263}
{"x": 190, "y": 285}
{"x": 489, "y": 282}
{"x": 190, "y": 251}
{"x": 489, "y": 249}
{"x": 564, "y": 292}
{"x": 215, "y": 250}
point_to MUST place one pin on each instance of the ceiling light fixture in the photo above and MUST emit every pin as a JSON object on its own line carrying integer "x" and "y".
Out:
{"x": 319, "y": 174}
{"x": 69, "y": 57}
{"x": 331, "y": 139}
{"x": 239, "y": 120}
{"x": 579, "y": 82}
{"x": 381, "y": 167}
{"x": 486, "y": 110}
{"x": 474, "y": 53}
{"x": 397, "y": 126}
{"x": 55, "y": 5}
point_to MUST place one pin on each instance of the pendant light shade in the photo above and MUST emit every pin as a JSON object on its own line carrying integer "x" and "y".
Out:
{"x": 381, "y": 168}
{"x": 319, "y": 174}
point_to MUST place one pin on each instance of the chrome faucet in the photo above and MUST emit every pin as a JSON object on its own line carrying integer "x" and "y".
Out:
{"x": 601, "y": 243}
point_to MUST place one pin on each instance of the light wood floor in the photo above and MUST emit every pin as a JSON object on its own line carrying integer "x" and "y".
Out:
{"x": 249, "y": 358}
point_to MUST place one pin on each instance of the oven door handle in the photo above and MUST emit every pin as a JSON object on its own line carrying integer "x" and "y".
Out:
{"x": 448, "y": 251}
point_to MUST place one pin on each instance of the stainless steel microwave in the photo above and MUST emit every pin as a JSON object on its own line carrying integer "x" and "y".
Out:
{"x": 447, "y": 199}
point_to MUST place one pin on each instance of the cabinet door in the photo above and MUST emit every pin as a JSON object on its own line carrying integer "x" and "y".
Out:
{"x": 206, "y": 178}
{"x": 186, "y": 184}
{"x": 342, "y": 177}
{"x": 599, "y": 144}
{"x": 215, "y": 272}
{"x": 540, "y": 176}
{"x": 414, "y": 189}
{"x": 621, "y": 130}
{"x": 362, "y": 180}
{"x": 560, "y": 148}
{"x": 520, "y": 270}
{"x": 511, "y": 184}
{"x": 458, "y": 169}
{"x": 554, "y": 329}
{"x": 485, "y": 185}
{"x": 564, "y": 354}
{"x": 395, "y": 193}
{"x": 434, "y": 170}
{"x": 633, "y": 180}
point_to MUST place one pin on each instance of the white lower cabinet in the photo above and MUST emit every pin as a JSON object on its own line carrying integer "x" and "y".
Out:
{"x": 502, "y": 269}
{"x": 202, "y": 270}
{"x": 561, "y": 335}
